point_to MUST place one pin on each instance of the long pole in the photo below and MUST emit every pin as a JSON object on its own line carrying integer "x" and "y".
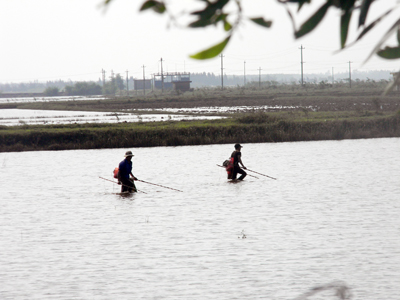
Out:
{"x": 259, "y": 77}
{"x": 261, "y": 174}
{"x": 120, "y": 183}
{"x": 159, "y": 185}
{"x": 247, "y": 174}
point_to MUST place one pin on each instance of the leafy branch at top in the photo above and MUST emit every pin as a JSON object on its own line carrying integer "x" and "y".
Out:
{"x": 215, "y": 12}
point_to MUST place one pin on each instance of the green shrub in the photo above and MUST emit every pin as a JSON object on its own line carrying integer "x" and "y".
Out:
{"x": 51, "y": 91}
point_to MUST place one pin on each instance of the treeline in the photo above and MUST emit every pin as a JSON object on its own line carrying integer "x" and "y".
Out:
{"x": 52, "y": 88}
{"x": 211, "y": 79}
{"x": 32, "y": 87}
{"x": 118, "y": 83}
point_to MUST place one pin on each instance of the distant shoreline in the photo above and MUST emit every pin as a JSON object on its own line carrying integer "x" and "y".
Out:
{"x": 287, "y": 115}
{"x": 247, "y": 128}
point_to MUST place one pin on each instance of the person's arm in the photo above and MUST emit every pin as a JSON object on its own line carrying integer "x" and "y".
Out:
{"x": 134, "y": 178}
{"x": 240, "y": 161}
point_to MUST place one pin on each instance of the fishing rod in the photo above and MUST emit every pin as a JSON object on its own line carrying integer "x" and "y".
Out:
{"x": 160, "y": 185}
{"x": 247, "y": 174}
{"x": 262, "y": 174}
{"x": 122, "y": 184}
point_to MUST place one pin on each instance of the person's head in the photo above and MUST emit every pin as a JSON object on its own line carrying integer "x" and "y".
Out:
{"x": 238, "y": 147}
{"x": 128, "y": 155}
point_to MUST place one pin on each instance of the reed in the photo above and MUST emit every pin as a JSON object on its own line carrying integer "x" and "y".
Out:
{"x": 250, "y": 128}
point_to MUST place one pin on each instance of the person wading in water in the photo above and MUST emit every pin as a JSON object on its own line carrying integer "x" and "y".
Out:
{"x": 124, "y": 170}
{"x": 237, "y": 159}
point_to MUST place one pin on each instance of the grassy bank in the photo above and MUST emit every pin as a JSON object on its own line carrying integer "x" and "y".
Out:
{"x": 245, "y": 128}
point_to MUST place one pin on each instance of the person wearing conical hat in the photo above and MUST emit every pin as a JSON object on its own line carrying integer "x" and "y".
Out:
{"x": 124, "y": 173}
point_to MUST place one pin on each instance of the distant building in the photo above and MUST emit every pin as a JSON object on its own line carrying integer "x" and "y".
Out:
{"x": 140, "y": 84}
{"x": 175, "y": 80}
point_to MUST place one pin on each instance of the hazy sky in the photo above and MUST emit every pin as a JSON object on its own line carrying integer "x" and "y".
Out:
{"x": 75, "y": 39}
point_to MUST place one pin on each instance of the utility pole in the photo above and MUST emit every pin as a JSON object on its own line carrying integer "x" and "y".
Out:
{"x": 127, "y": 83}
{"x": 259, "y": 77}
{"x": 162, "y": 78}
{"x": 144, "y": 82}
{"x": 350, "y": 73}
{"x": 244, "y": 74}
{"x": 301, "y": 48}
{"x": 333, "y": 79}
{"x": 222, "y": 71}
{"x": 103, "y": 74}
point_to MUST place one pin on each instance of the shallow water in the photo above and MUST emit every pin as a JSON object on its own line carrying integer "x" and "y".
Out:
{"x": 333, "y": 214}
{"x": 49, "y": 99}
{"x": 15, "y": 117}
{"x": 228, "y": 109}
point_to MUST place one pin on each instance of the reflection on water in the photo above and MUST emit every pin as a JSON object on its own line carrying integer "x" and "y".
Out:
{"x": 14, "y": 117}
{"x": 50, "y": 99}
{"x": 333, "y": 214}
{"x": 228, "y": 109}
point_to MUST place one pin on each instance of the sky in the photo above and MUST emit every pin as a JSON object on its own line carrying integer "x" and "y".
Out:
{"x": 50, "y": 40}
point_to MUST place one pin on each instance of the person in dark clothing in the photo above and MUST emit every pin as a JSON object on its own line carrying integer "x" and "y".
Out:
{"x": 237, "y": 159}
{"x": 124, "y": 170}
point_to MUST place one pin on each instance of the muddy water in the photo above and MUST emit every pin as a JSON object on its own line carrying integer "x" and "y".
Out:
{"x": 333, "y": 214}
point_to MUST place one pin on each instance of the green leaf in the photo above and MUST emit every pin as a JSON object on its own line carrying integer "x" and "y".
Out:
{"x": 202, "y": 22}
{"x": 213, "y": 51}
{"x": 370, "y": 26}
{"x": 344, "y": 28}
{"x": 391, "y": 30}
{"x": 389, "y": 52}
{"x": 312, "y": 22}
{"x": 302, "y": 2}
{"x": 398, "y": 35}
{"x": 227, "y": 26}
{"x": 157, "y": 6}
{"x": 211, "y": 8}
{"x": 261, "y": 22}
{"x": 365, "y": 5}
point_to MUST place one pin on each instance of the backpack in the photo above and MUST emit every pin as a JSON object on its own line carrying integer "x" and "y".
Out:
{"x": 228, "y": 164}
{"x": 116, "y": 170}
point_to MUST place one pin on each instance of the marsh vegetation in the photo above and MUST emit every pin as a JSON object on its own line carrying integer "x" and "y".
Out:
{"x": 272, "y": 114}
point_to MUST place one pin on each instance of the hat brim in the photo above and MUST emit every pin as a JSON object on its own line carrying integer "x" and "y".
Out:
{"x": 129, "y": 155}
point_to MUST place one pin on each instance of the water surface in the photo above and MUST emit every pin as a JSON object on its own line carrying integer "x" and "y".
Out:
{"x": 15, "y": 117}
{"x": 333, "y": 214}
